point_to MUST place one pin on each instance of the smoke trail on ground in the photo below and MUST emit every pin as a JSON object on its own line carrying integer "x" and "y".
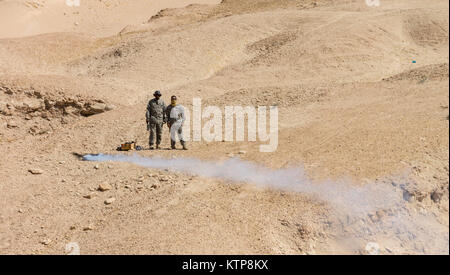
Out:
{"x": 349, "y": 197}
{"x": 354, "y": 206}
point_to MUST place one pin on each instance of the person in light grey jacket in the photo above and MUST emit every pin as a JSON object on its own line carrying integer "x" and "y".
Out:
{"x": 176, "y": 118}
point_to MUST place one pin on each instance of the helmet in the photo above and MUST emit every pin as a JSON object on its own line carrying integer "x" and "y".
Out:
{"x": 173, "y": 97}
{"x": 157, "y": 93}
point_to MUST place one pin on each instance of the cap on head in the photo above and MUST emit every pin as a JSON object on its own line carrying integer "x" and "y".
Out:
{"x": 157, "y": 93}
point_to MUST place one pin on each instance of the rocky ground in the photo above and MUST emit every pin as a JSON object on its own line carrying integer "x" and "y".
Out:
{"x": 362, "y": 94}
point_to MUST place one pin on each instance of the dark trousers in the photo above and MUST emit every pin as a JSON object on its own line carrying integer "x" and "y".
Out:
{"x": 155, "y": 130}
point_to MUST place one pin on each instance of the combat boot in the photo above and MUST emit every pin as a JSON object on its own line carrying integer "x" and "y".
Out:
{"x": 183, "y": 143}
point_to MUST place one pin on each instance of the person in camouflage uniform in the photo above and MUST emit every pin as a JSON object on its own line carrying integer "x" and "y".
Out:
{"x": 176, "y": 117}
{"x": 155, "y": 117}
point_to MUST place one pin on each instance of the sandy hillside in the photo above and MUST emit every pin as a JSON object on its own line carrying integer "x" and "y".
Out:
{"x": 363, "y": 143}
{"x": 97, "y": 17}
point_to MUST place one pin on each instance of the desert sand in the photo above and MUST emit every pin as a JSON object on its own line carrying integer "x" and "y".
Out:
{"x": 362, "y": 94}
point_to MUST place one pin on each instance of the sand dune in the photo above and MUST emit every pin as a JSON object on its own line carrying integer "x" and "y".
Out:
{"x": 95, "y": 17}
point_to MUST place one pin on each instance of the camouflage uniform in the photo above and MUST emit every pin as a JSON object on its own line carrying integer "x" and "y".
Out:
{"x": 156, "y": 117}
{"x": 176, "y": 118}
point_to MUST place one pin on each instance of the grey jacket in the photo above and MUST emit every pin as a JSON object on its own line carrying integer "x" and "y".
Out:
{"x": 155, "y": 111}
{"x": 175, "y": 113}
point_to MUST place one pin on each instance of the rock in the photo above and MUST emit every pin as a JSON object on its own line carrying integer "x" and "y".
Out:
{"x": 46, "y": 242}
{"x": 33, "y": 105}
{"x": 110, "y": 201}
{"x": 242, "y": 152}
{"x": 88, "y": 228}
{"x": 44, "y": 115}
{"x": 45, "y": 130}
{"x": 88, "y": 196}
{"x": 408, "y": 196}
{"x": 36, "y": 171}
{"x": 104, "y": 187}
{"x": 163, "y": 179}
{"x": 436, "y": 196}
{"x": 12, "y": 124}
{"x": 154, "y": 186}
{"x": 93, "y": 109}
{"x": 110, "y": 107}
{"x": 96, "y": 166}
{"x": 3, "y": 107}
